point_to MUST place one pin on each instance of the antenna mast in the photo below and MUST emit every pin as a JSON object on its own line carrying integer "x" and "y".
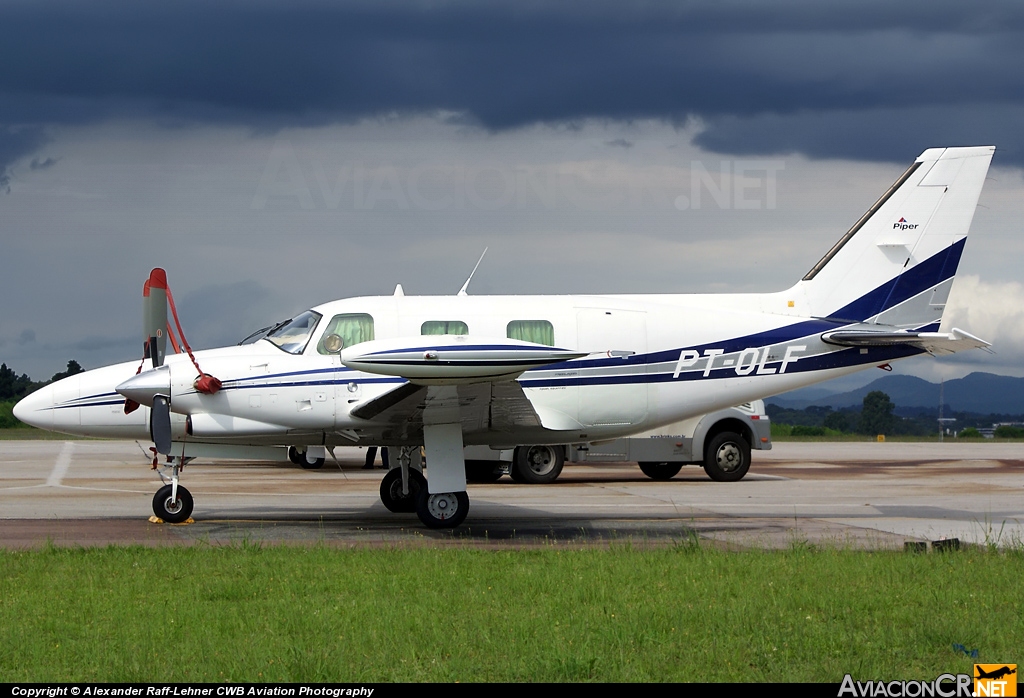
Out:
{"x": 462, "y": 291}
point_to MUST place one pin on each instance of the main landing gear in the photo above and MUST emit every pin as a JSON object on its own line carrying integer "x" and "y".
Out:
{"x": 404, "y": 490}
{"x": 303, "y": 458}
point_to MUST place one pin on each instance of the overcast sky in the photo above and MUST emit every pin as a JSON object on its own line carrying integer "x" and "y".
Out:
{"x": 272, "y": 156}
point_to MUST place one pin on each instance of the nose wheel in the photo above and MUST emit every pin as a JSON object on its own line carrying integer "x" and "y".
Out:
{"x": 172, "y": 503}
{"x": 171, "y": 506}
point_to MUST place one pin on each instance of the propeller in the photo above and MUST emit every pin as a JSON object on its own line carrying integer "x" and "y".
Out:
{"x": 160, "y": 424}
{"x": 153, "y": 387}
{"x": 154, "y": 316}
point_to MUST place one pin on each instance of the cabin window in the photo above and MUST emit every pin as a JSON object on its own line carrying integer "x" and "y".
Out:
{"x": 536, "y": 331}
{"x": 444, "y": 327}
{"x": 344, "y": 331}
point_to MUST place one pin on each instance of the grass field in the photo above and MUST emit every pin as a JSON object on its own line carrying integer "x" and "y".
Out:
{"x": 248, "y": 613}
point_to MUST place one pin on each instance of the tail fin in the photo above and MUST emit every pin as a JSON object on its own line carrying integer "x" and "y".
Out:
{"x": 896, "y": 265}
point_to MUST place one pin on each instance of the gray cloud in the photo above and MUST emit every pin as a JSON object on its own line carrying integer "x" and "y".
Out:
{"x": 42, "y": 163}
{"x": 15, "y": 143}
{"x": 27, "y": 336}
{"x": 781, "y": 77}
{"x": 222, "y": 314}
{"x": 98, "y": 343}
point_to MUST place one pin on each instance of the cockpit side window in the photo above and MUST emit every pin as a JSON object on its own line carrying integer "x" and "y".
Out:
{"x": 444, "y": 327}
{"x": 292, "y": 336}
{"x": 344, "y": 331}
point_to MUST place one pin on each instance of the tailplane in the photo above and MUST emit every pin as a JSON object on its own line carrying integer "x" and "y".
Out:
{"x": 896, "y": 265}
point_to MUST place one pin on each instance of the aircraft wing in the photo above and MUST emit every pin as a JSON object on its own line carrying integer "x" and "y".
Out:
{"x": 935, "y": 343}
{"x": 481, "y": 372}
{"x": 498, "y": 406}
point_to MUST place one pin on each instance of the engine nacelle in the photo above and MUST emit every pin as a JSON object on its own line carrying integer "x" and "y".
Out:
{"x": 450, "y": 359}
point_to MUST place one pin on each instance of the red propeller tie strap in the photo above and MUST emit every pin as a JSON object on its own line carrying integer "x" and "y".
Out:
{"x": 204, "y": 383}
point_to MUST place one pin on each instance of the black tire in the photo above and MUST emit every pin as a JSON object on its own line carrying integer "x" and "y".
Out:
{"x": 727, "y": 457}
{"x": 294, "y": 456}
{"x": 391, "y": 490}
{"x": 660, "y": 471}
{"x": 308, "y": 464}
{"x": 442, "y": 510}
{"x": 169, "y": 512}
{"x": 483, "y": 471}
{"x": 513, "y": 472}
{"x": 537, "y": 465}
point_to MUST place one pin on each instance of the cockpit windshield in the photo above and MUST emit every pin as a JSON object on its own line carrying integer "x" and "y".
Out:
{"x": 293, "y": 335}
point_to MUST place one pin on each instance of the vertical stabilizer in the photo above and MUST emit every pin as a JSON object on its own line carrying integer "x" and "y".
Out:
{"x": 895, "y": 266}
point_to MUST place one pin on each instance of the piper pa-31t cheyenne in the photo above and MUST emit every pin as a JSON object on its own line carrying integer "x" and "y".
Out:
{"x": 517, "y": 371}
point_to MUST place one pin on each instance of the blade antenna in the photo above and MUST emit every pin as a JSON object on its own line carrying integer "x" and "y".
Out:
{"x": 462, "y": 291}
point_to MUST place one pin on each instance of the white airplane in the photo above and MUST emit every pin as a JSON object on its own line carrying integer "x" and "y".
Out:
{"x": 519, "y": 371}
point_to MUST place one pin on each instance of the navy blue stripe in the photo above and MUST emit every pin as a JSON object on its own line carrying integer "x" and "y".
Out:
{"x": 511, "y": 363}
{"x": 843, "y": 358}
{"x": 91, "y": 404}
{"x": 921, "y": 277}
{"x": 471, "y": 347}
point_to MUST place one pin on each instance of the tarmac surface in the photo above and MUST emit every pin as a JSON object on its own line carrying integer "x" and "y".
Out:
{"x": 857, "y": 495}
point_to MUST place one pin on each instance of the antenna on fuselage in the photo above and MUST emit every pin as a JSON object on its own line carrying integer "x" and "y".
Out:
{"x": 462, "y": 291}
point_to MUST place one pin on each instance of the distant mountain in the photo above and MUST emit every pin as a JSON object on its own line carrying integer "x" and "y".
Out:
{"x": 977, "y": 392}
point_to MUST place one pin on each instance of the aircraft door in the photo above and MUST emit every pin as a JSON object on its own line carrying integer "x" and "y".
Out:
{"x": 614, "y": 391}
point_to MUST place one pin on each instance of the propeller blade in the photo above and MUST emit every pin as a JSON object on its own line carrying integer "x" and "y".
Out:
{"x": 160, "y": 424}
{"x": 154, "y": 316}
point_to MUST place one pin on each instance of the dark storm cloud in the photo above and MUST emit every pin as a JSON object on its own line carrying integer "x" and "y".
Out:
{"x": 42, "y": 163}
{"x": 763, "y": 77}
{"x": 15, "y": 143}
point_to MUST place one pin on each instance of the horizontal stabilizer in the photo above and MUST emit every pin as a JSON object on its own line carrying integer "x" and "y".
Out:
{"x": 935, "y": 343}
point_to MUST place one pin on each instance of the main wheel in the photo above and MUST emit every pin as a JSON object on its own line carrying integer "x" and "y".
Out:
{"x": 727, "y": 457}
{"x": 442, "y": 510}
{"x": 294, "y": 456}
{"x": 483, "y": 471}
{"x": 538, "y": 465}
{"x": 391, "y": 490}
{"x": 172, "y": 511}
{"x": 308, "y": 463}
{"x": 660, "y": 471}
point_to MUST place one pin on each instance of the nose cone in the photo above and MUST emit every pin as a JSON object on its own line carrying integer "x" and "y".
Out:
{"x": 36, "y": 409}
{"x": 146, "y": 385}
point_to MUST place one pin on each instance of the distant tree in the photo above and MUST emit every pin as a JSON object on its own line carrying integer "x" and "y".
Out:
{"x": 1006, "y": 431}
{"x": 969, "y": 433}
{"x": 876, "y": 414}
{"x": 73, "y": 368}
{"x": 13, "y": 386}
{"x": 837, "y": 420}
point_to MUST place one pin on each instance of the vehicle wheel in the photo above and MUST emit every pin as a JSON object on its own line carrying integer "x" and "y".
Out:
{"x": 294, "y": 456}
{"x": 310, "y": 464}
{"x": 660, "y": 471}
{"x": 483, "y": 471}
{"x": 538, "y": 465}
{"x": 172, "y": 512}
{"x": 727, "y": 457}
{"x": 442, "y": 510}
{"x": 391, "y": 490}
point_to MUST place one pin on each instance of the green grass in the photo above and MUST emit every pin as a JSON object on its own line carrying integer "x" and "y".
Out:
{"x": 247, "y": 613}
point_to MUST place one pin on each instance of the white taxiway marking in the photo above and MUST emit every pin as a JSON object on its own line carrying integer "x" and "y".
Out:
{"x": 60, "y": 468}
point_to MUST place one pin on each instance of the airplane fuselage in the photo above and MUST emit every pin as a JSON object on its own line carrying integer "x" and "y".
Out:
{"x": 652, "y": 360}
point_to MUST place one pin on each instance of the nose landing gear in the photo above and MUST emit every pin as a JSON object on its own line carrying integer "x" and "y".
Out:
{"x": 172, "y": 503}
